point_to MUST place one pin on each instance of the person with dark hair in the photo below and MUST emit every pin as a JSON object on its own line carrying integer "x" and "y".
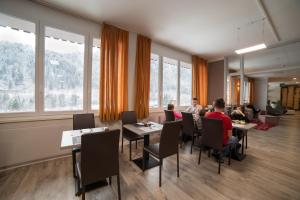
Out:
{"x": 239, "y": 114}
{"x": 227, "y": 126}
{"x": 195, "y": 107}
{"x": 176, "y": 114}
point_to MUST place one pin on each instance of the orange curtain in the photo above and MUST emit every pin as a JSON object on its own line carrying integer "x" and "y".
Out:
{"x": 142, "y": 71}
{"x": 199, "y": 79}
{"x": 113, "y": 73}
{"x": 251, "y": 85}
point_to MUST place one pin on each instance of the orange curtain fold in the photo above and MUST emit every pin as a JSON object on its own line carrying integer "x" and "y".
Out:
{"x": 142, "y": 71}
{"x": 113, "y": 73}
{"x": 199, "y": 79}
{"x": 251, "y": 85}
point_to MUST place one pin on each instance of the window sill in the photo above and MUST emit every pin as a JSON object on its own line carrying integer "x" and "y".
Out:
{"x": 159, "y": 110}
{"x": 22, "y": 117}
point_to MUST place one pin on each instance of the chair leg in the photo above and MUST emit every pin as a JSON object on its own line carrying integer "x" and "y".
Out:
{"x": 178, "y": 164}
{"x": 136, "y": 144}
{"x": 74, "y": 163}
{"x": 219, "y": 170}
{"x": 160, "y": 173}
{"x": 199, "y": 156}
{"x": 122, "y": 144}
{"x": 229, "y": 158}
{"x": 192, "y": 145}
{"x": 119, "y": 188}
{"x": 109, "y": 180}
{"x": 130, "y": 150}
{"x": 208, "y": 153}
{"x": 83, "y": 193}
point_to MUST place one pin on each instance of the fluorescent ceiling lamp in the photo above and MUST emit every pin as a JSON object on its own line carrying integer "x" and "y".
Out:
{"x": 294, "y": 78}
{"x": 250, "y": 49}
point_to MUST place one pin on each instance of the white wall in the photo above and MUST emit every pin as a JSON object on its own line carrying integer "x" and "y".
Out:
{"x": 260, "y": 93}
{"x": 22, "y": 142}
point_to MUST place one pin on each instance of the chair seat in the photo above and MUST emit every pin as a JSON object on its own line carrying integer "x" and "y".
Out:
{"x": 128, "y": 135}
{"x": 153, "y": 149}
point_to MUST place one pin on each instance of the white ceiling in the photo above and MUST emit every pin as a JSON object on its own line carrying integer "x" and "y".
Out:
{"x": 204, "y": 27}
{"x": 268, "y": 59}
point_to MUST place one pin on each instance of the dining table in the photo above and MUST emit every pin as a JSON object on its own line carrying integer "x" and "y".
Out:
{"x": 145, "y": 130}
{"x": 244, "y": 127}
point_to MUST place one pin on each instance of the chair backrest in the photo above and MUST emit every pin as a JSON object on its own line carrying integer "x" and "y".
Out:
{"x": 202, "y": 112}
{"x": 169, "y": 115}
{"x": 212, "y": 133}
{"x": 82, "y": 121}
{"x": 128, "y": 117}
{"x": 188, "y": 125}
{"x": 169, "y": 139}
{"x": 99, "y": 155}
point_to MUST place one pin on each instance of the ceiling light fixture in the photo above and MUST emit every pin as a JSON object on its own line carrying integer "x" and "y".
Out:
{"x": 251, "y": 49}
{"x": 294, "y": 78}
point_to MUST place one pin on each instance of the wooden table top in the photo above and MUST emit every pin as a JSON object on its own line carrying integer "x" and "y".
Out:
{"x": 143, "y": 130}
{"x": 72, "y": 138}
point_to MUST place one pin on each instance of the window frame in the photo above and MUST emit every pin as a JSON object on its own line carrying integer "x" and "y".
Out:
{"x": 90, "y": 71}
{"x": 181, "y": 64}
{"x": 160, "y": 107}
{"x": 39, "y": 113}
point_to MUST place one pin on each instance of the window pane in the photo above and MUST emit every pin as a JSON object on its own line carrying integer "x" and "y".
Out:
{"x": 64, "y": 56}
{"x": 185, "y": 84}
{"x": 170, "y": 76}
{"x": 95, "y": 74}
{"x": 154, "y": 80}
{"x": 17, "y": 65}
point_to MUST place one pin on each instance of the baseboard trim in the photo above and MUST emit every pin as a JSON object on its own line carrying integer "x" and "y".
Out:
{"x": 27, "y": 163}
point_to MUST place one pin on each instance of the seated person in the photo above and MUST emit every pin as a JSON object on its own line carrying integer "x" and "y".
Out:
{"x": 195, "y": 107}
{"x": 176, "y": 114}
{"x": 255, "y": 111}
{"x": 238, "y": 114}
{"x": 228, "y": 139}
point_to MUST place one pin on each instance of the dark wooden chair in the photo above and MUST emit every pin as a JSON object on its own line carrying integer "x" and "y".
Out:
{"x": 212, "y": 137}
{"x": 81, "y": 121}
{"x": 167, "y": 146}
{"x": 189, "y": 127}
{"x": 129, "y": 117}
{"x": 99, "y": 159}
{"x": 170, "y": 117}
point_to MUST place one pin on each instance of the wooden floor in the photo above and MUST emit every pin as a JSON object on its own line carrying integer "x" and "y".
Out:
{"x": 271, "y": 170}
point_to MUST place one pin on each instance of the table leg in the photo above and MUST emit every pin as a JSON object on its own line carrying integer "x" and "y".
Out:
{"x": 243, "y": 143}
{"x": 146, "y": 143}
{"x": 150, "y": 162}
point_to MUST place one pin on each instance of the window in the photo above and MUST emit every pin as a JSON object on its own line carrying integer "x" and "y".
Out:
{"x": 95, "y": 74}
{"x": 17, "y": 65}
{"x": 185, "y": 84}
{"x": 170, "y": 77}
{"x": 64, "y": 70}
{"x": 169, "y": 82}
{"x": 154, "y": 81}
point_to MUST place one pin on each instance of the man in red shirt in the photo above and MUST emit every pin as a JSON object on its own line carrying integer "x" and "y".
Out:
{"x": 219, "y": 106}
